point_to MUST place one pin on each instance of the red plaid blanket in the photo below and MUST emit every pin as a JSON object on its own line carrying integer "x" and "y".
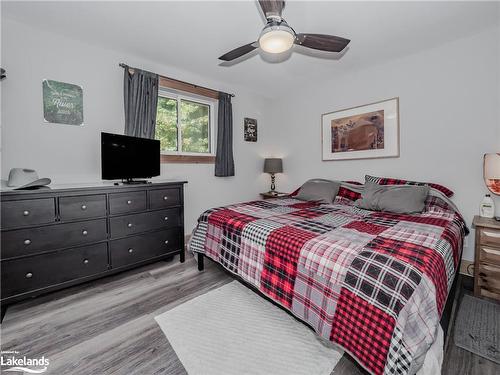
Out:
{"x": 373, "y": 282}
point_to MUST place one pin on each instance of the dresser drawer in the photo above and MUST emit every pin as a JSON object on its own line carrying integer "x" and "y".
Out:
{"x": 28, "y": 274}
{"x": 120, "y": 203}
{"x": 489, "y": 236}
{"x": 489, "y": 294}
{"x": 489, "y": 278}
{"x": 121, "y": 226}
{"x": 28, "y": 212}
{"x": 51, "y": 237}
{"x": 163, "y": 198}
{"x": 82, "y": 207}
{"x": 135, "y": 249}
{"x": 489, "y": 255}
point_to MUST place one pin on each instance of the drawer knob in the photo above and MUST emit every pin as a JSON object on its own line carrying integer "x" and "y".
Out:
{"x": 130, "y": 250}
{"x": 29, "y": 275}
{"x": 84, "y": 232}
{"x": 84, "y": 207}
{"x": 166, "y": 242}
{"x": 26, "y": 213}
{"x": 165, "y": 218}
{"x": 129, "y": 202}
{"x": 27, "y": 242}
{"x": 85, "y": 261}
{"x": 165, "y": 198}
{"x": 129, "y": 225}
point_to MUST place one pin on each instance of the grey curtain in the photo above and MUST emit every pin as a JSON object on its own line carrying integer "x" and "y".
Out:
{"x": 224, "y": 162}
{"x": 140, "y": 97}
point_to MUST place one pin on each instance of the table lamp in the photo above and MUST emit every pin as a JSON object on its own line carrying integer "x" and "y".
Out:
{"x": 491, "y": 168}
{"x": 272, "y": 166}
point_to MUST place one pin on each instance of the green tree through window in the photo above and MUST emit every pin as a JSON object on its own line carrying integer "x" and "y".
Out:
{"x": 192, "y": 119}
{"x": 166, "y": 123}
{"x": 195, "y": 127}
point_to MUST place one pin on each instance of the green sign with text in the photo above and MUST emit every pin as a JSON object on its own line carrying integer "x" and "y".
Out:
{"x": 62, "y": 102}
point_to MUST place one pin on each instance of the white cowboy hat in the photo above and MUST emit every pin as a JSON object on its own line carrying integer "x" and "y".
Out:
{"x": 22, "y": 178}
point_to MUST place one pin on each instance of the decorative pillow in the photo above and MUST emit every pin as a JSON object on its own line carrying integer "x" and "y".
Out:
{"x": 395, "y": 181}
{"x": 400, "y": 199}
{"x": 318, "y": 190}
{"x": 348, "y": 194}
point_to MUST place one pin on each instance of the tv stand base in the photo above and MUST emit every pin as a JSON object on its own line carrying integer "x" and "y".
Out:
{"x": 135, "y": 182}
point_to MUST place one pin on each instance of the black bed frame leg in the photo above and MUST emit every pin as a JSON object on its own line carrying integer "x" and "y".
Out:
{"x": 201, "y": 262}
{"x": 182, "y": 255}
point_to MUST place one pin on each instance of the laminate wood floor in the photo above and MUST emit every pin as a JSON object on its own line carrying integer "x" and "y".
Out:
{"x": 107, "y": 326}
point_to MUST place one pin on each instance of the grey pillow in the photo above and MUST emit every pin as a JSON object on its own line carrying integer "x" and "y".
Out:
{"x": 399, "y": 199}
{"x": 318, "y": 190}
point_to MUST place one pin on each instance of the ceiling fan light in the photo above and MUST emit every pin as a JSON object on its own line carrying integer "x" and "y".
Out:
{"x": 276, "y": 39}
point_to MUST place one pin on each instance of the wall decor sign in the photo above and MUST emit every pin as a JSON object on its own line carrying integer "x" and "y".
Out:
{"x": 364, "y": 132}
{"x": 62, "y": 102}
{"x": 250, "y": 129}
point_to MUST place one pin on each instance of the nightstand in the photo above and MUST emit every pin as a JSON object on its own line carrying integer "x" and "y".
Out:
{"x": 276, "y": 194}
{"x": 487, "y": 258}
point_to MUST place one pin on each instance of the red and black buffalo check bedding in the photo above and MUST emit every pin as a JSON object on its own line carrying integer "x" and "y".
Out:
{"x": 373, "y": 282}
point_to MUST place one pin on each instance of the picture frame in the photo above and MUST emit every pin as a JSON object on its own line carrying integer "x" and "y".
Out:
{"x": 368, "y": 131}
{"x": 62, "y": 102}
{"x": 250, "y": 129}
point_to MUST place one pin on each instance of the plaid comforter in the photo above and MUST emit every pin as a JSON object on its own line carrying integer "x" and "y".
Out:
{"x": 373, "y": 282}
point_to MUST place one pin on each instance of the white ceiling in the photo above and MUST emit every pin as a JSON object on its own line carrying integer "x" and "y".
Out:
{"x": 191, "y": 35}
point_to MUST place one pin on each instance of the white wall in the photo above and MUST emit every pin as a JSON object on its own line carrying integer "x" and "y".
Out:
{"x": 72, "y": 153}
{"x": 449, "y": 111}
{"x": 449, "y": 117}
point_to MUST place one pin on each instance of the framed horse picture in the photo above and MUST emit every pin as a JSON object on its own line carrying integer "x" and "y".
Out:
{"x": 364, "y": 132}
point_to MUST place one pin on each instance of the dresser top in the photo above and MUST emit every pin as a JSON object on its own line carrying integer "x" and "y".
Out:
{"x": 98, "y": 185}
{"x": 485, "y": 222}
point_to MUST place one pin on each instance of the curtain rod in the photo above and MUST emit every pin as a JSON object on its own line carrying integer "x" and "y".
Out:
{"x": 125, "y": 66}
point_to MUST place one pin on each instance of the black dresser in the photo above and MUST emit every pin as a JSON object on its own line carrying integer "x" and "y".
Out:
{"x": 55, "y": 238}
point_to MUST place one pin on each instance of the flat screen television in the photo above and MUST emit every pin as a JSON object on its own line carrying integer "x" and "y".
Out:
{"x": 126, "y": 158}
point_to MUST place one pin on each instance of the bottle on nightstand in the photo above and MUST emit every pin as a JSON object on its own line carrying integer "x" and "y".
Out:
{"x": 487, "y": 207}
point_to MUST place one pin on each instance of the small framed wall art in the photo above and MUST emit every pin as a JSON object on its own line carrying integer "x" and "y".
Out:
{"x": 62, "y": 103}
{"x": 364, "y": 132}
{"x": 250, "y": 129}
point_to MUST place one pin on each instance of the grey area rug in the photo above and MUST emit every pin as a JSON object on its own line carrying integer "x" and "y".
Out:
{"x": 477, "y": 328}
{"x": 232, "y": 330}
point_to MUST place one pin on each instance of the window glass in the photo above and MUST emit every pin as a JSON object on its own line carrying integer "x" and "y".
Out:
{"x": 166, "y": 123}
{"x": 195, "y": 129}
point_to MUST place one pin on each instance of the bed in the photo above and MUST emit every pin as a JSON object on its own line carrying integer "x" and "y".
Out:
{"x": 375, "y": 283}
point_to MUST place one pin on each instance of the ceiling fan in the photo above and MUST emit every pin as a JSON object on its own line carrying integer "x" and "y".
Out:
{"x": 277, "y": 36}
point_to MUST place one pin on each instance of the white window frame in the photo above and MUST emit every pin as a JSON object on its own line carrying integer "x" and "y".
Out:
{"x": 178, "y": 96}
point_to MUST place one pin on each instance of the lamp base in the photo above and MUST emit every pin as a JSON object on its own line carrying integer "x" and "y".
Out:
{"x": 273, "y": 185}
{"x": 493, "y": 185}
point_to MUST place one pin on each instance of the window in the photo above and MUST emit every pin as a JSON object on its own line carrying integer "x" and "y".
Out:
{"x": 184, "y": 124}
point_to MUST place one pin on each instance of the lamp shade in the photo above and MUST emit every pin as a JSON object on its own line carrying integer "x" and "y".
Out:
{"x": 492, "y": 172}
{"x": 273, "y": 165}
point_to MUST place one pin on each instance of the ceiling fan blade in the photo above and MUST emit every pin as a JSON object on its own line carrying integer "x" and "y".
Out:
{"x": 322, "y": 42}
{"x": 237, "y": 52}
{"x": 272, "y": 7}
